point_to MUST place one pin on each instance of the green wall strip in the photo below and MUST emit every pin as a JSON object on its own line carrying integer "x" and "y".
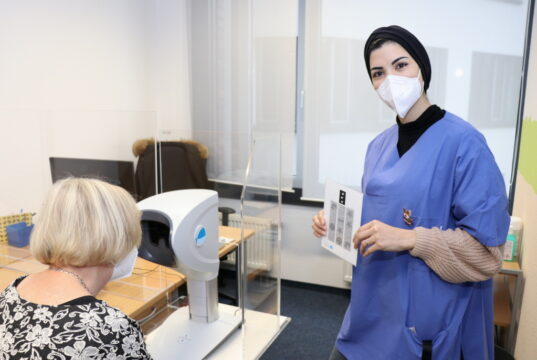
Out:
{"x": 527, "y": 163}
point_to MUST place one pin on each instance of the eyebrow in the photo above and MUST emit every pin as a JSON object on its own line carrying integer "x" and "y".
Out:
{"x": 399, "y": 58}
{"x": 393, "y": 63}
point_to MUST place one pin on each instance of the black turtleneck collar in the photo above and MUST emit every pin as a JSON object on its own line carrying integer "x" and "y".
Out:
{"x": 410, "y": 132}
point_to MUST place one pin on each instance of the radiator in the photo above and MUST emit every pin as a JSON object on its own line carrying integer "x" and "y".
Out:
{"x": 259, "y": 247}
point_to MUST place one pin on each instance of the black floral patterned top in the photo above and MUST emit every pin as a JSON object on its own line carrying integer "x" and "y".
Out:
{"x": 84, "y": 328}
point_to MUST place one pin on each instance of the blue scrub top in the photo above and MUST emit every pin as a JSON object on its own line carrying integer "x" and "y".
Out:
{"x": 448, "y": 179}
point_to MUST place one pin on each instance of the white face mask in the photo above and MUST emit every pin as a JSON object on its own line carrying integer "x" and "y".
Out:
{"x": 124, "y": 268}
{"x": 400, "y": 93}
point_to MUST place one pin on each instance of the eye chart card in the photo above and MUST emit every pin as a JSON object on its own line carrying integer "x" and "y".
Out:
{"x": 341, "y": 213}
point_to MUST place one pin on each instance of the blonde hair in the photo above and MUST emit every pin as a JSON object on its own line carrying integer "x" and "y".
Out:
{"x": 86, "y": 222}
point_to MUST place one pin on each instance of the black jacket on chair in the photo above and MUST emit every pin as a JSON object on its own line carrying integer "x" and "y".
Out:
{"x": 183, "y": 167}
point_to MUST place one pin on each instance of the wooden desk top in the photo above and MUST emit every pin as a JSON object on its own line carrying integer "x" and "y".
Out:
{"x": 235, "y": 234}
{"x": 510, "y": 267}
{"x": 134, "y": 295}
{"x": 148, "y": 283}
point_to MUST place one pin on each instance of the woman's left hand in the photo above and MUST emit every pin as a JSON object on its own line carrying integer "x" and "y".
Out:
{"x": 375, "y": 235}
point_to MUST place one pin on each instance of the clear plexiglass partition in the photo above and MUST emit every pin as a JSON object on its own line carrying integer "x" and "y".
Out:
{"x": 245, "y": 318}
{"x": 259, "y": 218}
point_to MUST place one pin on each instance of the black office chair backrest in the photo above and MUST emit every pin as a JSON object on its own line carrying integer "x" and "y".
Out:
{"x": 180, "y": 165}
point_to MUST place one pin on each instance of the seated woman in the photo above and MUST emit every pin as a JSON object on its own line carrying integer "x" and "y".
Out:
{"x": 88, "y": 233}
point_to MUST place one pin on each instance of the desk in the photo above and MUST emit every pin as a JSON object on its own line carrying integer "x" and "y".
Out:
{"x": 507, "y": 307}
{"x": 138, "y": 295}
{"x": 233, "y": 233}
{"x": 148, "y": 284}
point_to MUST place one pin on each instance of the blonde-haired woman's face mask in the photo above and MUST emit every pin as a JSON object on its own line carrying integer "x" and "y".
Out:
{"x": 125, "y": 267}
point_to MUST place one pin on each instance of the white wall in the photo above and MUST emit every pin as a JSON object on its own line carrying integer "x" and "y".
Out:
{"x": 84, "y": 79}
{"x": 172, "y": 69}
{"x": 303, "y": 259}
{"x": 526, "y": 208}
{"x": 65, "y": 54}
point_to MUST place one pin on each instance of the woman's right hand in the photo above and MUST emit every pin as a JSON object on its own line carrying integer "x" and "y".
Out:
{"x": 319, "y": 224}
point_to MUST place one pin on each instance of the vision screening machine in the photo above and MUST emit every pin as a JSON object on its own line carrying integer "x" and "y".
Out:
{"x": 180, "y": 230}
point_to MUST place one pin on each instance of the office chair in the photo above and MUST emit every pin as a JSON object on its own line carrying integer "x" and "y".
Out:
{"x": 179, "y": 165}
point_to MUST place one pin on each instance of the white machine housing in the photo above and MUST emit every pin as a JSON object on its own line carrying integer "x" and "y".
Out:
{"x": 192, "y": 217}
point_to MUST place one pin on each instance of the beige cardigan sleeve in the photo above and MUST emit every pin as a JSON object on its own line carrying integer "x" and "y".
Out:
{"x": 455, "y": 255}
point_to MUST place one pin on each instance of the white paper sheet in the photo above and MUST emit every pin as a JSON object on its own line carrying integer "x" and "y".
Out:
{"x": 342, "y": 219}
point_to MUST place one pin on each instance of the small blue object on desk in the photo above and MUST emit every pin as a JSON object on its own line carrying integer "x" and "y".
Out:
{"x": 19, "y": 234}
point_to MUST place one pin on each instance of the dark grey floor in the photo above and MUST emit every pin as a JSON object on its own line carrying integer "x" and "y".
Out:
{"x": 316, "y": 313}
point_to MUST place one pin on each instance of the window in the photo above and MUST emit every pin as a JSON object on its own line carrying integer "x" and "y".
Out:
{"x": 243, "y": 61}
{"x": 476, "y": 72}
{"x": 250, "y": 60}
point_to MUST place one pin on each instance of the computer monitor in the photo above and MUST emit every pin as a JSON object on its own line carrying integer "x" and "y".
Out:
{"x": 116, "y": 172}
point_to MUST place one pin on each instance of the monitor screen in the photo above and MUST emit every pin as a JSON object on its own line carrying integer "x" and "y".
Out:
{"x": 116, "y": 172}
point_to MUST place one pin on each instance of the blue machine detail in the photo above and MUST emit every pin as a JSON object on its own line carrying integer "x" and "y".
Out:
{"x": 201, "y": 235}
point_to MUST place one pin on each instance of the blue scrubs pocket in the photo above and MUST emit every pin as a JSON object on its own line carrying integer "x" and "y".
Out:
{"x": 435, "y": 310}
{"x": 440, "y": 349}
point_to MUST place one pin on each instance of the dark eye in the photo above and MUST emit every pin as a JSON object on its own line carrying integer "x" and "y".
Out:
{"x": 401, "y": 65}
{"x": 376, "y": 74}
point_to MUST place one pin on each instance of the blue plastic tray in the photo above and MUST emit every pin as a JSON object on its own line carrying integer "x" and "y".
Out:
{"x": 19, "y": 234}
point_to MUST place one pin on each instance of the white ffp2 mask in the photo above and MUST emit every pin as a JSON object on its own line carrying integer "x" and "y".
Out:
{"x": 400, "y": 93}
{"x": 124, "y": 268}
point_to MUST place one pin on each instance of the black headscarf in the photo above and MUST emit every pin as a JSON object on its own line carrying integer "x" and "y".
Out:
{"x": 408, "y": 41}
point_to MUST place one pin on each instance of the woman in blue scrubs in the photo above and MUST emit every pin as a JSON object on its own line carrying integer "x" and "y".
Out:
{"x": 434, "y": 219}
